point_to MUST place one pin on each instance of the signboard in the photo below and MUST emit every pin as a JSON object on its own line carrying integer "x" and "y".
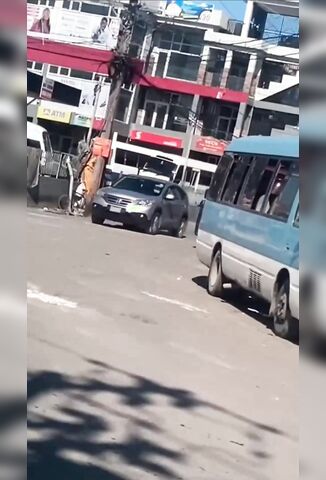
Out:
{"x": 186, "y": 8}
{"x": 47, "y": 88}
{"x": 54, "y": 114}
{"x": 65, "y": 25}
{"x": 80, "y": 120}
{"x": 156, "y": 139}
{"x": 87, "y": 97}
{"x": 99, "y": 124}
{"x": 209, "y": 145}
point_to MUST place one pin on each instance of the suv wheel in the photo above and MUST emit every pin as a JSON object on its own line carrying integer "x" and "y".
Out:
{"x": 180, "y": 231}
{"x": 155, "y": 224}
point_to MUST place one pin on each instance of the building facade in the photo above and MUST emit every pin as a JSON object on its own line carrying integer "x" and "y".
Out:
{"x": 207, "y": 79}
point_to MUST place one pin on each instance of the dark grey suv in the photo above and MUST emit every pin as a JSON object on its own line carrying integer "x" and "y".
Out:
{"x": 147, "y": 203}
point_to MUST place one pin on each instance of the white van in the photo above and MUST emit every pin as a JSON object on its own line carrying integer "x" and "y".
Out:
{"x": 38, "y": 137}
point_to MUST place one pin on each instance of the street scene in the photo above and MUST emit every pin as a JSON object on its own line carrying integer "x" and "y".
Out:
{"x": 135, "y": 372}
{"x": 163, "y": 236}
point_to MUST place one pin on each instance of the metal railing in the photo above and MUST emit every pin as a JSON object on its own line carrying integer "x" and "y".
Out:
{"x": 56, "y": 166}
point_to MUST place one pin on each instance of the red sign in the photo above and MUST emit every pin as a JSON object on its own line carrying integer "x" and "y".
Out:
{"x": 210, "y": 145}
{"x": 156, "y": 139}
{"x": 99, "y": 124}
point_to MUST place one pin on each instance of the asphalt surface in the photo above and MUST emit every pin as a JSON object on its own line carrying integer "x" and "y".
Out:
{"x": 136, "y": 373}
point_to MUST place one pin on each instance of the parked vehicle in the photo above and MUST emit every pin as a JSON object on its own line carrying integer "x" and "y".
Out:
{"x": 132, "y": 159}
{"x": 149, "y": 204}
{"x": 248, "y": 232}
{"x": 38, "y": 137}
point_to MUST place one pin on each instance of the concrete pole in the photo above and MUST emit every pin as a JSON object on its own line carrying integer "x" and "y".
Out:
{"x": 247, "y": 19}
{"x": 191, "y": 130}
{"x": 97, "y": 97}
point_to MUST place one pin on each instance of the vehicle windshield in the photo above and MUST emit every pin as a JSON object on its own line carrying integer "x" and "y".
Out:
{"x": 160, "y": 166}
{"x": 47, "y": 143}
{"x": 140, "y": 185}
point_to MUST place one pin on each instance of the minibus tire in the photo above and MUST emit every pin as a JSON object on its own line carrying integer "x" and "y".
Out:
{"x": 215, "y": 283}
{"x": 285, "y": 326}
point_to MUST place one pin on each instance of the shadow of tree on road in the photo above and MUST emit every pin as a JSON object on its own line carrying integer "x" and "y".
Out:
{"x": 70, "y": 440}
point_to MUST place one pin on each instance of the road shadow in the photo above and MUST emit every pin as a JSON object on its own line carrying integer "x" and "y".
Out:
{"x": 64, "y": 441}
{"x": 75, "y": 437}
{"x": 139, "y": 231}
{"x": 245, "y": 302}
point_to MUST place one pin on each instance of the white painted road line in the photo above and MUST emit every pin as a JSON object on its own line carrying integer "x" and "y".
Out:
{"x": 185, "y": 306}
{"x": 35, "y": 294}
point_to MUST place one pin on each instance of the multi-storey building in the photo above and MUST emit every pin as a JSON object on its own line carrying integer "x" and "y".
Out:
{"x": 208, "y": 79}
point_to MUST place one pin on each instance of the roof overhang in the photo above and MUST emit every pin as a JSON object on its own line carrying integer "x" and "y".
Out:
{"x": 288, "y": 8}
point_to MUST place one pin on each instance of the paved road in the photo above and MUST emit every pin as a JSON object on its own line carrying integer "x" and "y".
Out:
{"x": 135, "y": 373}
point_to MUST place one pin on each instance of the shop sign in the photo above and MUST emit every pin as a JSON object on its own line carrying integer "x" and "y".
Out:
{"x": 80, "y": 120}
{"x": 99, "y": 124}
{"x": 156, "y": 139}
{"x": 186, "y": 8}
{"x": 54, "y": 114}
{"x": 65, "y": 25}
{"x": 210, "y": 145}
{"x": 47, "y": 88}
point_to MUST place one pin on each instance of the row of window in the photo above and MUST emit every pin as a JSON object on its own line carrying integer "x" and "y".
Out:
{"x": 265, "y": 185}
{"x": 186, "y": 41}
{"x": 69, "y": 72}
{"x": 79, "y": 6}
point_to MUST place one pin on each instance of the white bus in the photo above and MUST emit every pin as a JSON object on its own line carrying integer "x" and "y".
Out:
{"x": 127, "y": 158}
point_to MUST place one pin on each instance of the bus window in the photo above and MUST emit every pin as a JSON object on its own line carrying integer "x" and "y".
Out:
{"x": 261, "y": 174}
{"x": 179, "y": 174}
{"x": 219, "y": 178}
{"x": 205, "y": 178}
{"x": 283, "y": 202}
{"x": 236, "y": 179}
{"x": 296, "y": 222}
{"x": 276, "y": 187}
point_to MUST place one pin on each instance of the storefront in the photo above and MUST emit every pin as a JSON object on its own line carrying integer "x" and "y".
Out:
{"x": 56, "y": 118}
{"x": 208, "y": 149}
{"x": 164, "y": 143}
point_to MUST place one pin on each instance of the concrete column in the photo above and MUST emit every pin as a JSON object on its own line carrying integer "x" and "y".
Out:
{"x": 240, "y": 120}
{"x": 203, "y": 66}
{"x": 133, "y": 105}
{"x": 227, "y": 67}
{"x": 243, "y": 121}
{"x": 247, "y": 19}
{"x": 191, "y": 129}
{"x": 254, "y": 67}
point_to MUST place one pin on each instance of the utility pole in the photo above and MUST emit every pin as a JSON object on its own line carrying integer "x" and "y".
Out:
{"x": 120, "y": 70}
{"x": 97, "y": 92}
{"x": 191, "y": 130}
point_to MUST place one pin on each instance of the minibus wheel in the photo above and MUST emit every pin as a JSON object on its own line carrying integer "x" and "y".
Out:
{"x": 285, "y": 326}
{"x": 215, "y": 284}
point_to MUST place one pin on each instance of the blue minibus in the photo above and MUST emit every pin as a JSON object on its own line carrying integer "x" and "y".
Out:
{"x": 248, "y": 232}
